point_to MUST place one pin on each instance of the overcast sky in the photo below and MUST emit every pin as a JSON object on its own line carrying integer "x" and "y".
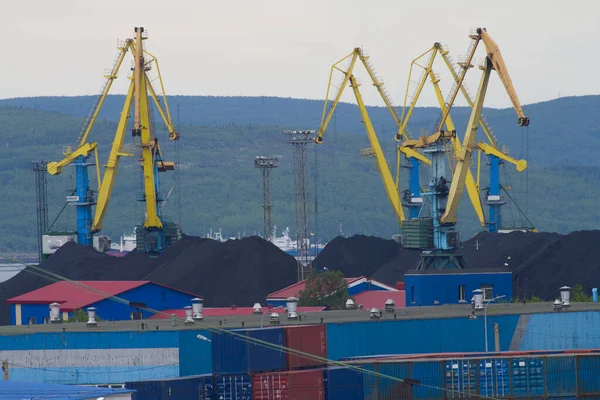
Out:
{"x": 285, "y": 48}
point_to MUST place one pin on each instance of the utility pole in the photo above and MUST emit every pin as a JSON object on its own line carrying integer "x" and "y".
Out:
{"x": 300, "y": 139}
{"x": 41, "y": 194}
{"x": 266, "y": 164}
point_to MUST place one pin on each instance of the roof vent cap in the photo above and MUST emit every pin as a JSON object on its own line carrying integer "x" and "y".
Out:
{"x": 257, "y": 308}
{"x": 375, "y": 313}
{"x": 292, "y": 307}
{"x": 477, "y": 300}
{"x": 274, "y": 318}
{"x": 55, "y": 313}
{"x": 350, "y": 305}
{"x": 197, "y": 306}
{"x": 565, "y": 296}
{"x": 390, "y": 305}
{"x": 188, "y": 315}
{"x": 557, "y": 304}
{"x": 91, "y": 311}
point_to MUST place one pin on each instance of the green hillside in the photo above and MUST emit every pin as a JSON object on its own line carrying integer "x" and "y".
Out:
{"x": 220, "y": 188}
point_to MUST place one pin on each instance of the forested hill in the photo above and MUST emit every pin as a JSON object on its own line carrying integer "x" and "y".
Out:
{"x": 562, "y": 132}
{"x": 220, "y": 136}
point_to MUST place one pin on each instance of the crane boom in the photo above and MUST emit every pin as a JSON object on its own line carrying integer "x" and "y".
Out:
{"x": 492, "y": 60}
{"x": 384, "y": 171}
{"x": 108, "y": 180}
{"x": 498, "y": 64}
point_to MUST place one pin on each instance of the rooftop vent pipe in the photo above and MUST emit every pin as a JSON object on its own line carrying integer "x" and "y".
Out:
{"x": 565, "y": 296}
{"x": 188, "y": 315}
{"x": 292, "y": 307}
{"x": 197, "y": 306}
{"x": 257, "y": 308}
{"x": 389, "y": 305}
{"x": 557, "y": 304}
{"x": 477, "y": 301}
{"x": 55, "y": 313}
{"x": 375, "y": 313}
{"x": 91, "y": 322}
{"x": 350, "y": 305}
{"x": 274, "y": 318}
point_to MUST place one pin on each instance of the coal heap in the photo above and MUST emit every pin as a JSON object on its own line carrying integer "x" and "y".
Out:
{"x": 541, "y": 262}
{"x": 236, "y": 272}
{"x": 357, "y": 255}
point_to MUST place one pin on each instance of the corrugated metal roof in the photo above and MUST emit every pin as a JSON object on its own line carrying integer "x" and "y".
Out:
{"x": 228, "y": 312}
{"x": 377, "y": 298}
{"x": 295, "y": 289}
{"x": 71, "y": 296}
{"x": 11, "y": 390}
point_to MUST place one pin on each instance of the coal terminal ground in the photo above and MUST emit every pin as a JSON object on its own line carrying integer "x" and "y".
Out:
{"x": 242, "y": 272}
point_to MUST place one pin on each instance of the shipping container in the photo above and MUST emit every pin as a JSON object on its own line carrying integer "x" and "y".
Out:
{"x": 309, "y": 339}
{"x": 342, "y": 383}
{"x": 232, "y": 387}
{"x": 289, "y": 385}
{"x": 588, "y": 368}
{"x": 229, "y": 353}
{"x": 264, "y": 358}
{"x": 232, "y": 354}
{"x": 191, "y": 387}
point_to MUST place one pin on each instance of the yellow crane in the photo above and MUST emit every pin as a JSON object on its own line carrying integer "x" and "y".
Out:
{"x": 446, "y": 194}
{"x": 139, "y": 91}
{"x": 376, "y": 150}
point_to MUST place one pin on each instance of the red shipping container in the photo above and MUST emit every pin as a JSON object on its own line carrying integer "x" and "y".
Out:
{"x": 289, "y": 385}
{"x": 309, "y": 339}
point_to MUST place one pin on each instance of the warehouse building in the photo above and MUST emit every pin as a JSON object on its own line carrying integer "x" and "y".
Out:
{"x": 66, "y": 297}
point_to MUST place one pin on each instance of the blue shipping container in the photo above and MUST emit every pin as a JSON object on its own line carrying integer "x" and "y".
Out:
{"x": 589, "y": 378}
{"x": 343, "y": 384}
{"x": 192, "y": 387}
{"x": 494, "y": 377}
{"x": 233, "y": 387}
{"x": 262, "y": 358}
{"x": 528, "y": 377}
{"x": 229, "y": 353}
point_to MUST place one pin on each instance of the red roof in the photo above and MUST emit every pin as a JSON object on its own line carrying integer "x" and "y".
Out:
{"x": 295, "y": 289}
{"x": 377, "y": 298}
{"x": 71, "y": 296}
{"x": 227, "y": 312}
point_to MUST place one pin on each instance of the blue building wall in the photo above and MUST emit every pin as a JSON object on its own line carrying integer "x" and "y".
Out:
{"x": 195, "y": 356}
{"x": 562, "y": 331}
{"x": 425, "y": 289}
{"x": 154, "y": 296}
{"x": 106, "y": 357}
{"x": 417, "y": 336}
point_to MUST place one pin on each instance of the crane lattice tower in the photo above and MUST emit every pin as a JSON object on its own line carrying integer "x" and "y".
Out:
{"x": 300, "y": 139}
{"x": 266, "y": 164}
{"x": 41, "y": 195}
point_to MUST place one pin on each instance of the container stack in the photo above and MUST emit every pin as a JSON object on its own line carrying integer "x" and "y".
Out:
{"x": 252, "y": 364}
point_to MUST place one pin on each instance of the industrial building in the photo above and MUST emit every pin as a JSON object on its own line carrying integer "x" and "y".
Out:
{"x": 355, "y": 286}
{"x": 66, "y": 297}
{"x": 456, "y": 286}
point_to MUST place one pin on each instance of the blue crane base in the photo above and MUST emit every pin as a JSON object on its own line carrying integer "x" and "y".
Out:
{"x": 437, "y": 260}
{"x": 155, "y": 242}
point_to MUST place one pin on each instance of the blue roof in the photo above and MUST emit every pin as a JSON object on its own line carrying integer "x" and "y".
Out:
{"x": 11, "y": 390}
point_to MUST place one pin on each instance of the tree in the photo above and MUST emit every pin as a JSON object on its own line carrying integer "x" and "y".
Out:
{"x": 81, "y": 316}
{"x": 327, "y": 288}
{"x": 578, "y": 295}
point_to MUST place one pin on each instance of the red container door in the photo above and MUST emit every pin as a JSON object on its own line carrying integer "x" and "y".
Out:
{"x": 270, "y": 386}
{"x": 309, "y": 339}
{"x": 289, "y": 385}
{"x": 307, "y": 384}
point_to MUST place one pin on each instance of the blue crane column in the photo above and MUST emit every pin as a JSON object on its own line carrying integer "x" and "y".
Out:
{"x": 415, "y": 187}
{"x": 494, "y": 200}
{"x": 84, "y": 202}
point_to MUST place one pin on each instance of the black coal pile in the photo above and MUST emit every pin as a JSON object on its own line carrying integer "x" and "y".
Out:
{"x": 541, "y": 262}
{"x": 357, "y": 255}
{"x": 237, "y": 272}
